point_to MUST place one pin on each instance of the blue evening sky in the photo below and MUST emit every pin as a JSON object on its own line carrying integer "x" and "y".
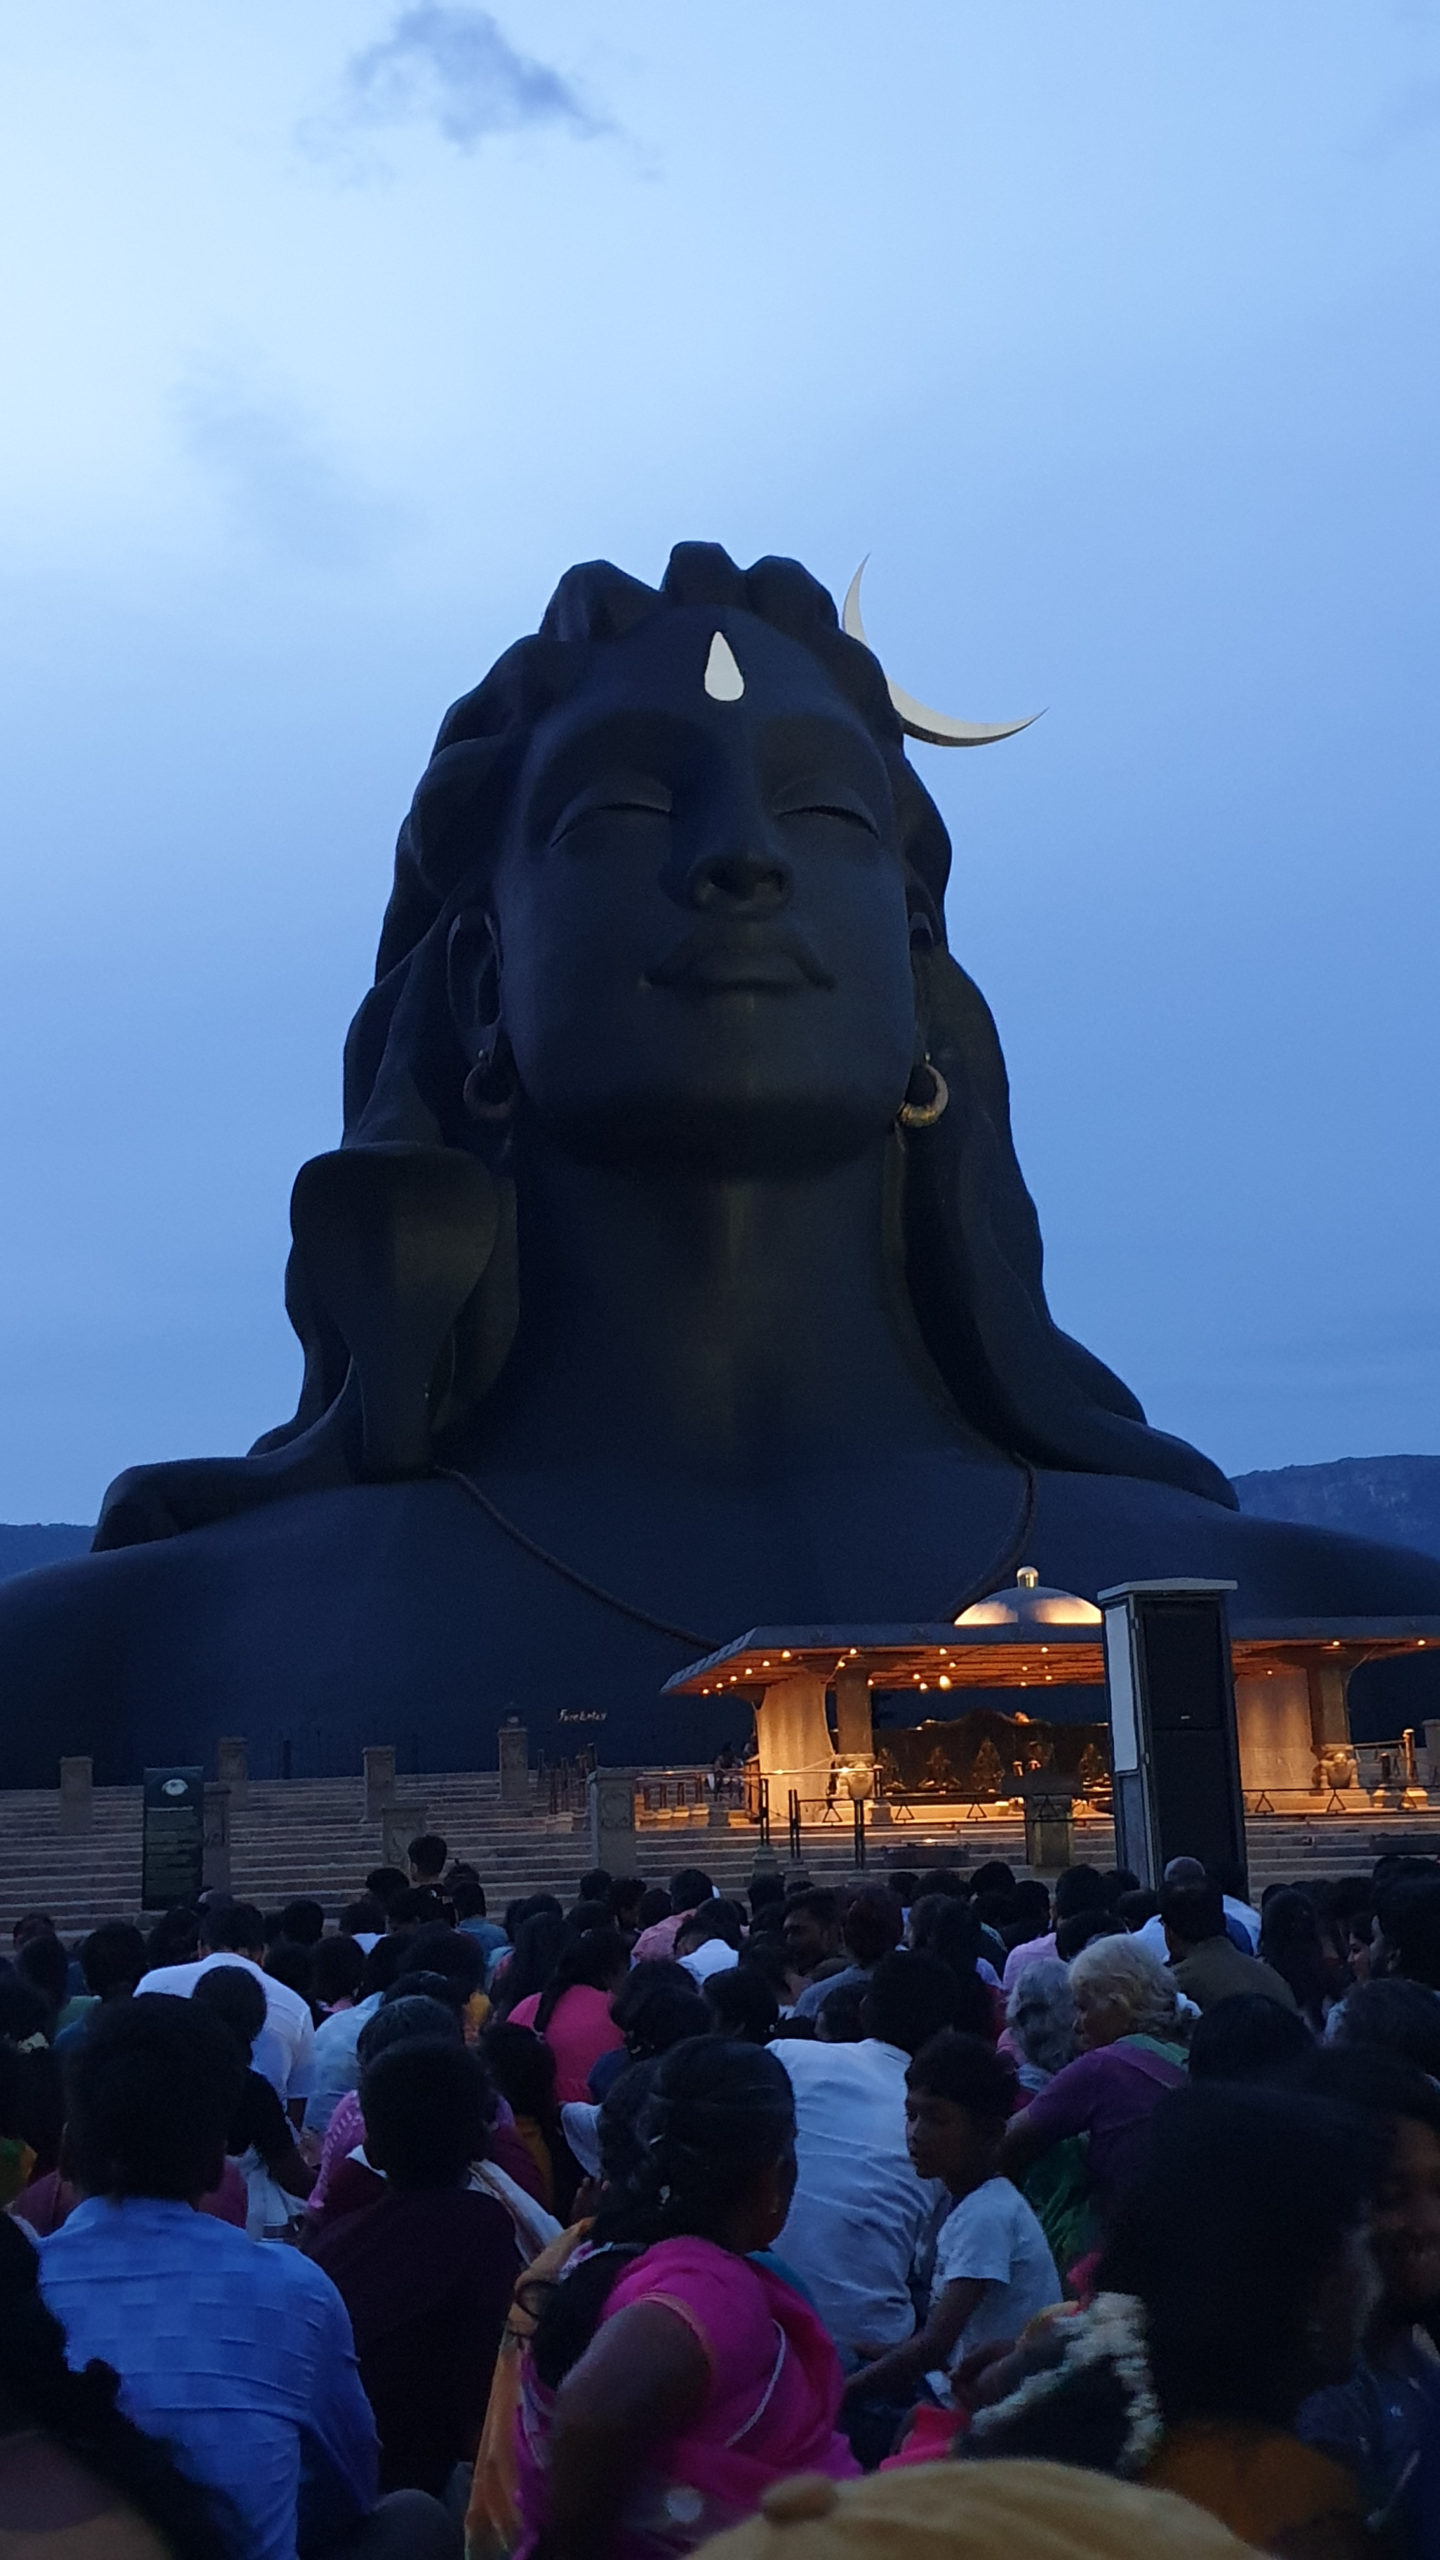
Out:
{"x": 1108, "y": 327}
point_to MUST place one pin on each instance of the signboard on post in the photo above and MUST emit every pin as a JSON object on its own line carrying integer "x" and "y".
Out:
{"x": 172, "y": 1838}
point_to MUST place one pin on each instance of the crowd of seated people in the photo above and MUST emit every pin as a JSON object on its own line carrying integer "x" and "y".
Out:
{"x": 933, "y": 2212}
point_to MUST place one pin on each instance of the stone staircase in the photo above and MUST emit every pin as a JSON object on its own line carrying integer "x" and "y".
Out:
{"x": 292, "y": 1837}
{"x": 314, "y": 1837}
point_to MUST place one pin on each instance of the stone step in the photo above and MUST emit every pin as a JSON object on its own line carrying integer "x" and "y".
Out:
{"x": 313, "y": 1836}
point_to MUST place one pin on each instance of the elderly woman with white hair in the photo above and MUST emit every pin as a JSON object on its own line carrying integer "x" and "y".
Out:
{"x": 1126, "y": 2013}
{"x": 1040, "y": 2022}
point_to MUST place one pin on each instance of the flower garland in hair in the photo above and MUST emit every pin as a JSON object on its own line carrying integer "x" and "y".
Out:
{"x": 1111, "y": 2331}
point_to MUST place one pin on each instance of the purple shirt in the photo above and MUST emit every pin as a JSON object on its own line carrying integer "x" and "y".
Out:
{"x": 1110, "y": 2094}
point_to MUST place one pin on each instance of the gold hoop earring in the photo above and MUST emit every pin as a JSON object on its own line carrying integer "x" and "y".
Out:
{"x": 923, "y": 1115}
{"x": 491, "y": 1087}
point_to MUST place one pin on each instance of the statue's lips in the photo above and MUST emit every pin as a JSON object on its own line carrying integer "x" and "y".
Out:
{"x": 743, "y": 957}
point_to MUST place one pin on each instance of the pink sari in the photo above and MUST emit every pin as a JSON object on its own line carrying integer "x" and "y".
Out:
{"x": 774, "y": 2396}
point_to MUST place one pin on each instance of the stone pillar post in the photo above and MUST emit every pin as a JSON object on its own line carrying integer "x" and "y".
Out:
{"x": 610, "y": 1801}
{"x": 215, "y": 1852}
{"x": 77, "y": 1796}
{"x": 514, "y": 1744}
{"x": 1049, "y": 1826}
{"x": 399, "y": 1825}
{"x": 379, "y": 1779}
{"x": 232, "y": 1765}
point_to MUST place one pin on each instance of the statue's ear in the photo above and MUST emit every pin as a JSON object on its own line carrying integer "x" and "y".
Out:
{"x": 472, "y": 979}
{"x": 926, "y": 932}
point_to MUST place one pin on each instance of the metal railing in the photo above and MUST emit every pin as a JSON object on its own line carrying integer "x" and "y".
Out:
{"x": 822, "y": 1813}
{"x": 671, "y": 1790}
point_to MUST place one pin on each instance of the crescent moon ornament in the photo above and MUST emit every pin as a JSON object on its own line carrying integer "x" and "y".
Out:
{"x": 936, "y": 728}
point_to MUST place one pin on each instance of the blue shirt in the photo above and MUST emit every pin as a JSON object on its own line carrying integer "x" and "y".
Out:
{"x": 337, "y": 2060}
{"x": 238, "y": 2351}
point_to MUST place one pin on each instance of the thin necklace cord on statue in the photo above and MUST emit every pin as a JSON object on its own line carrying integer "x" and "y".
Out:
{"x": 996, "y": 1574}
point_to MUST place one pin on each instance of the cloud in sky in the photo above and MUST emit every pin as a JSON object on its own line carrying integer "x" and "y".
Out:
{"x": 280, "y": 482}
{"x": 455, "y": 69}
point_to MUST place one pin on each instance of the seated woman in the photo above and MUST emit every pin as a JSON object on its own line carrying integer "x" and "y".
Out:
{"x": 426, "y": 2272}
{"x": 522, "y": 2067}
{"x": 572, "y": 2013}
{"x": 1040, "y": 2022}
{"x": 1130, "y": 2056}
{"x": 657, "y": 2005}
{"x": 1375, "y": 2423}
{"x": 672, "y": 2379}
{"x": 1236, "y": 2280}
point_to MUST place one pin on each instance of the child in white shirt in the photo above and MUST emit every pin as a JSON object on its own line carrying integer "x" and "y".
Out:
{"x": 993, "y": 2268}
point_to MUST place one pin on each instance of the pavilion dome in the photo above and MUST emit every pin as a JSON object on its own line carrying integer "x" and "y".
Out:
{"x": 1032, "y": 1603}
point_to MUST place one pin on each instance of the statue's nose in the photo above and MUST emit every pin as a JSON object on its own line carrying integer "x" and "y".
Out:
{"x": 755, "y": 883}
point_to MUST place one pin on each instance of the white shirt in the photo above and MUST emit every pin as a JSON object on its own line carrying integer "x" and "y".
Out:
{"x": 992, "y": 2236}
{"x": 1152, "y": 1933}
{"x": 284, "y": 2050}
{"x": 337, "y": 2061}
{"x": 711, "y": 1956}
{"x": 858, "y": 2211}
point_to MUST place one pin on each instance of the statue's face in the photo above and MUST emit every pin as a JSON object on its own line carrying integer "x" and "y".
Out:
{"x": 701, "y": 913}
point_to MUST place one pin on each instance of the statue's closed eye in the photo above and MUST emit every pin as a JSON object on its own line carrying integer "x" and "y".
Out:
{"x": 619, "y": 797}
{"x": 835, "y": 800}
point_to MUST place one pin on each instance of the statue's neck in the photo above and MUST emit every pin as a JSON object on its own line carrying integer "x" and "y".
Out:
{"x": 738, "y": 1327}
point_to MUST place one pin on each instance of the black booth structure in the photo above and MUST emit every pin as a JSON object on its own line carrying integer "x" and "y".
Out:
{"x": 1174, "y": 1747}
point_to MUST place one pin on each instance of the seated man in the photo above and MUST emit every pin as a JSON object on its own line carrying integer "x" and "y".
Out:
{"x": 812, "y": 1936}
{"x": 428, "y": 2268}
{"x": 112, "y": 1959}
{"x": 1242, "y": 1921}
{"x": 238, "y": 2352}
{"x": 859, "y": 2211}
{"x": 426, "y": 1858}
{"x": 1208, "y": 1967}
{"x": 234, "y": 1933}
{"x": 871, "y": 1929}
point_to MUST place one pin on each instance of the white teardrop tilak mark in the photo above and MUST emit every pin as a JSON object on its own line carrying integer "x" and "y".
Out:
{"x": 723, "y": 680}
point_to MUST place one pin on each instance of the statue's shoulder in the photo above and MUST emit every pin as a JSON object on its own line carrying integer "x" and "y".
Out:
{"x": 1325, "y": 1573}
{"x": 65, "y": 1594}
{"x": 309, "y": 1546}
{"x": 1093, "y": 1532}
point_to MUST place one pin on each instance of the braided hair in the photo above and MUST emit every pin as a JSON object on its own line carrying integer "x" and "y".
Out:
{"x": 79, "y": 2411}
{"x": 717, "y": 2114}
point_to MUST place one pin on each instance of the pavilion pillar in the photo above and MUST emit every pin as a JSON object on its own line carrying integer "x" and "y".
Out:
{"x": 792, "y": 1731}
{"x": 1272, "y": 1718}
{"x": 855, "y": 1732}
{"x": 1330, "y": 1706}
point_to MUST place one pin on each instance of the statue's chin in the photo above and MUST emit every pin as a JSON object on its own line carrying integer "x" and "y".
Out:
{"x": 723, "y": 1140}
